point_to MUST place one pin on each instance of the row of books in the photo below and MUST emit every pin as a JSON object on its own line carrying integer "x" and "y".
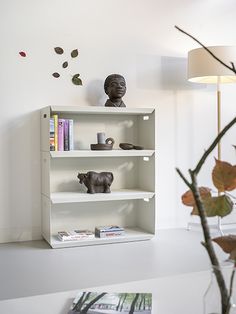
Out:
{"x": 61, "y": 134}
{"x": 100, "y": 232}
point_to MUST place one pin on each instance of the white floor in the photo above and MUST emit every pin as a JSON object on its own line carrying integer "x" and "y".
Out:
{"x": 166, "y": 263}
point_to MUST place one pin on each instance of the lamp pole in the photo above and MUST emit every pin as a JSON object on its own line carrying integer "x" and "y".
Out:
{"x": 219, "y": 143}
{"x": 218, "y": 115}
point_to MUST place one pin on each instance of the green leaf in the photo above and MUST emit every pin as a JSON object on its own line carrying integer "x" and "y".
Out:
{"x": 56, "y": 75}
{"x": 65, "y": 64}
{"x": 216, "y": 206}
{"x": 59, "y": 50}
{"x": 74, "y": 53}
{"x": 76, "y": 80}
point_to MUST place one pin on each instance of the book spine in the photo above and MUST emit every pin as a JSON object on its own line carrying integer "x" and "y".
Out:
{"x": 60, "y": 134}
{"x": 71, "y": 134}
{"x": 55, "y": 117}
{"x": 75, "y": 238}
{"x": 111, "y": 234}
{"x": 52, "y": 135}
{"x": 66, "y": 134}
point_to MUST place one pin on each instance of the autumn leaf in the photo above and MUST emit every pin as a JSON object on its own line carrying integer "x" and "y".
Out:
{"x": 224, "y": 176}
{"x": 216, "y": 206}
{"x": 56, "y": 75}
{"x": 74, "y": 53}
{"x": 22, "y": 54}
{"x": 228, "y": 244}
{"x": 76, "y": 80}
{"x": 59, "y": 50}
{"x": 65, "y": 64}
{"x": 188, "y": 199}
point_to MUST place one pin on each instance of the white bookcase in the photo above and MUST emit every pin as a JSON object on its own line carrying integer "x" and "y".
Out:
{"x": 131, "y": 203}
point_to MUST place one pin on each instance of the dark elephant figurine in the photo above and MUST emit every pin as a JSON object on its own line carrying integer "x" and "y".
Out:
{"x": 96, "y": 182}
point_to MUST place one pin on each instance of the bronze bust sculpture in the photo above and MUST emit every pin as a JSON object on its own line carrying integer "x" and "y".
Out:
{"x": 115, "y": 88}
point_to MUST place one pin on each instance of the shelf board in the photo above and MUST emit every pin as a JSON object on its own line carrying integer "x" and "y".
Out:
{"x": 102, "y": 153}
{"x": 101, "y": 110}
{"x": 131, "y": 234}
{"x": 75, "y": 197}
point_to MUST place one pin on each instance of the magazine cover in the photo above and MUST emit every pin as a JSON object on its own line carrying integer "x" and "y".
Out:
{"x": 111, "y": 303}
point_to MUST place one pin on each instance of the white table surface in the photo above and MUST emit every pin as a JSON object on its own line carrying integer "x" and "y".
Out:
{"x": 179, "y": 294}
{"x": 173, "y": 266}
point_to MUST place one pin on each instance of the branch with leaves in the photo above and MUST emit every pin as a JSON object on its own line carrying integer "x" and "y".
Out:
{"x": 205, "y": 205}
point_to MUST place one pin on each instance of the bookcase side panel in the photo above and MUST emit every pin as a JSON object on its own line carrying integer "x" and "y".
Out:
{"x": 146, "y": 173}
{"x": 46, "y": 173}
{"x": 46, "y": 218}
{"x": 146, "y": 130}
{"x": 45, "y": 129}
{"x": 146, "y": 215}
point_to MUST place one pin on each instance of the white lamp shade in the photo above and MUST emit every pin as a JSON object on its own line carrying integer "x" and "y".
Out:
{"x": 203, "y": 68}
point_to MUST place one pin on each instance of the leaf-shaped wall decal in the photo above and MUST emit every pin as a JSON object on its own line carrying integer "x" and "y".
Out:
{"x": 56, "y": 75}
{"x": 188, "y": 199}
{"x": 22, "y": 54}
{"x": 76, "y": 80}
{"x": 216, "y": 206}
{"x": 224, "y": 176}
{"x": 59, "y": 50}
{"x": 74, "y": 53}
{"x": 65, "y": 64}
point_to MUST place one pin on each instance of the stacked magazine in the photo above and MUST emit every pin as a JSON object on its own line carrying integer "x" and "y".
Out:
{"x": 75, "y": 235}
{"x": 100, "y": 232}
{"x": 109, "y": 231}
{"x": 112, "y": 303}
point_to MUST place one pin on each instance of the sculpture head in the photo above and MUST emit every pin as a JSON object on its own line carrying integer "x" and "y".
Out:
{"x": 81, "y": 177}
{"x": 115, "y": 87}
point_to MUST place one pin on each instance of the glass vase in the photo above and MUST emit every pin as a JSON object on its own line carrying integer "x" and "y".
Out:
{"x": 212, "y": 296}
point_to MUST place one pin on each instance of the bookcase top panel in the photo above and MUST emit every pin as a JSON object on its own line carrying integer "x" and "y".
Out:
{"x": 101, "y": 110}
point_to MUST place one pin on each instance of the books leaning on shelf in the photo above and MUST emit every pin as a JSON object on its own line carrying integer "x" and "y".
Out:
{"x": 109, "y": 231}
{"x": 61, "y": 134}
{"x": 75, "y": 235}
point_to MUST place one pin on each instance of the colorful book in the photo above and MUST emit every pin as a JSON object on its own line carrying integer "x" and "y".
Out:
{"x": 109, "y": 231}
{"x": 61, "y": 134}
{"x": 110, "y": 234}
{"x": 71, "y": 134}
{"x": 66, "y": 134}
{"x": 109, "y": 228}
{"x": 55, "y": 117}
{"x": 52, "y": 135}
{"x": 113, "y": 303}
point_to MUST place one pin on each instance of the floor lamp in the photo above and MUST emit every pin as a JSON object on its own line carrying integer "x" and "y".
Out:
{"x": 203, "y": 68}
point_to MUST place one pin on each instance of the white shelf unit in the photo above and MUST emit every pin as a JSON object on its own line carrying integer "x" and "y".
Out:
{"x": 131, "y": 203}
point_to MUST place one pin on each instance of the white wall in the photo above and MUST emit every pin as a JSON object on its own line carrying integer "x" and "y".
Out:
{"x": 135, "y": 38}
